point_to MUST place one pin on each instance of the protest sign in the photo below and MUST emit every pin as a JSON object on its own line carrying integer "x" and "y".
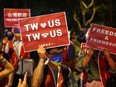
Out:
{"x": 48, "y": 30}
{"x": 102, "y": 37}
{"x": 83, "y": 46}
{"x": 11, "y": 16}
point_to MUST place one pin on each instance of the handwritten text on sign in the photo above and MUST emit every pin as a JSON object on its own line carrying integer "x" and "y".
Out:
{"x": 48, "y": 30}
{"x": 102, "y": 37}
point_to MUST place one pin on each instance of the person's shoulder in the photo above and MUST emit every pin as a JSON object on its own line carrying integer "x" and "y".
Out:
{"x": 66, "y": 70}
{"x": 66, "y": 73}
{"x": 64, "y": 66}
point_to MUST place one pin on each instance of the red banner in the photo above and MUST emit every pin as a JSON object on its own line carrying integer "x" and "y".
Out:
{"x": 47, "y": 30}
{"x": 102, "y": 37}
{"x": 11, "y": 16}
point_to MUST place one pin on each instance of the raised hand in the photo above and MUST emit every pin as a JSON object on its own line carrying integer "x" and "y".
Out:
{"x": 24, "y": 82}
{"x": 106, "y": 53}
{"x": 41, "y": 51}
{"x": 90, "y": 51}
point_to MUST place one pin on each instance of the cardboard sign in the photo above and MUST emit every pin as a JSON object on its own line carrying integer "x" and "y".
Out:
{"x": 11, "y": 16}
{"x": 102, "y": 37}
{"x": 47, "y": 30}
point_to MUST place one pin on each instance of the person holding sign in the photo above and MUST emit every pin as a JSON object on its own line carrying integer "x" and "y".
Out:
{"x": 52, "y": 73}
{"x": 97, "y": 66}
{"x": 14, "y": 48}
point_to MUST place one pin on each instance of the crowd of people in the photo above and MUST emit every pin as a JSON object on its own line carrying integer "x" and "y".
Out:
{"x": 64, "y": 66}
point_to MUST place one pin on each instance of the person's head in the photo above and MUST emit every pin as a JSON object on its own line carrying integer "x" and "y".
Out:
{"x": 16, "y": 32}
{"x": 8, "y": 33}
{"x": 73, "y": 34}
{"x": 56, "y": 55}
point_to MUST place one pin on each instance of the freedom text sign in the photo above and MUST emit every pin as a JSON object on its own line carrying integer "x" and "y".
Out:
{"x": 102, "y": 37}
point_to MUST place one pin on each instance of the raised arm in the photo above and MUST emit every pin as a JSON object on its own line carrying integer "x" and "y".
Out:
{"x": 111, "y": 63}
{"x": 88, "y": 56}
{"x": 39, "y": 70}
{"x": 83, "y": 59}
{"x": 8, "y": 68}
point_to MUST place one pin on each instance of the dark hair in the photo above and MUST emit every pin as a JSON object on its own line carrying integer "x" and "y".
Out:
{"x": 8, "y": 34}
{"x": 48, "y": 50}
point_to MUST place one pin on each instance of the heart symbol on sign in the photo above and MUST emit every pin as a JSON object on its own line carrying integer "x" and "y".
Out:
{"x": 43, "y": 25}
